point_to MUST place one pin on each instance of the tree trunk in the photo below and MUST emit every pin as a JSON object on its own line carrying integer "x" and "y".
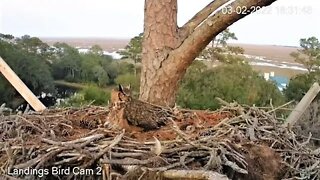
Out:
{"x": 168, "y": 50}
{"x": 160, "y": 37}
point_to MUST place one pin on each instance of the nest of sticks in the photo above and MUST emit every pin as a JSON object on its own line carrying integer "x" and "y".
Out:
{"x": 234, "y": 142}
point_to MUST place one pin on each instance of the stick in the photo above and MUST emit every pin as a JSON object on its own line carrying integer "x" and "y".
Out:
{"x": 68, "y": 143}
{"x": 280, "y": 107}
{"x": 221, "y": 101}
{"x": 116, "y": 140}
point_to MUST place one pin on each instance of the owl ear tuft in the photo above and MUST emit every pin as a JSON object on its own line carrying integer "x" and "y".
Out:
{"x": 121, "y": 88}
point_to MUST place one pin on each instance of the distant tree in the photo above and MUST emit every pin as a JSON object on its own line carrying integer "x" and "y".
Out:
{"x": 30, "y": 67}
{"x": 223, "y": 38}
{"x": 133, "y": 50}
{"x": 235, "y": 50}
{"x": 67, "y": 64}
{"x": 101, "y": 76}
{"x": 125, "y": 68}
{"x": 201, "y": 86}
{"x": 97, "y": 68}
{"x": 299, "y": 85}
{"x": 34, "y": 45}
{"x": 6, "y": 36}
{"x": 112, "y": 71}
{"x": 221, "y": 51}
{"x": 309, "y": 55}
{"x": 96, "y": 49}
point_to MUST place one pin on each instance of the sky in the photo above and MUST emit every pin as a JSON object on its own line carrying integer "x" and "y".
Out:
{"x": 283, "y": 23}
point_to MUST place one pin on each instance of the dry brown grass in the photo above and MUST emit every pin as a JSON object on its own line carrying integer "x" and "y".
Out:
{"x": 277, "y": 53}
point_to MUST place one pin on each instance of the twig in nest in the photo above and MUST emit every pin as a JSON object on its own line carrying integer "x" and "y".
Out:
{"x": 116, "y": 140}
{"x": 183, "y": 159}
{"x": 129, "y": 161}
{"x": 214, "y": 161}
{"x": 48, "y": 156}
{"x": 66, "y": 161}
{"x": 30, "y": 123}
{"x": 68, "y": 143}
{"x": 307, "y": 141}
{"x": 29, "y": 163}
{"x": 40, "y": 159}
{"x": 251, "y": 129}
{"x": 170, "y": 166}
{"x": 223, "y": 102}
{"x": 184, "y": 137}
{"x": 4, "y": 176}
{"x": 233, "y": 165}
{"x": 279, "y": 107}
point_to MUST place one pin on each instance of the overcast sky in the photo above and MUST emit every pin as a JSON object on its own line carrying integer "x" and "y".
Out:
{"x": 278, "y": 25}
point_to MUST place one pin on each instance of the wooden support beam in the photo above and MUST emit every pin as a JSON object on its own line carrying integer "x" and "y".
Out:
{"x": 302, "y": 105}
{"x": 16, "y": 82}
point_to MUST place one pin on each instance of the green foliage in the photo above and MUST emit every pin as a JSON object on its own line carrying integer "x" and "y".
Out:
{"x": 67, "y": 65}
{"x": 37, "y": 64}
{"x": 125, "y": 68}
{"x": 112, "y": 70}
{"x": 235, "y": 50}
{"x": 90, "y": 95}
{"x": 72, "y": 66}
{"x": 101, "y": 76}
{"x": 6, "y": 36}
{"x": 34, "y": 61}
{"x": 240, "y": 83}
{"x": 76, "y": 100}
{"x": 309, "y": 55}
{"x": 231, "y": 59}
{"x": 30, "y": 67}
{"x": 224, "y": 36}
{"x": 222, "y": 52}
{"x": 97, "y": 50}
{"x": 299, "y": 85}
{"x": 6, "y": 90}
{"x": 134, "y": 49}
{"x": 36, "y": 46}
{"x": 130, "y": 79}
{"x": 96, "y": 95}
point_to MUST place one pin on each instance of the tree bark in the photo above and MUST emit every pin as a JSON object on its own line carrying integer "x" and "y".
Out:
{"x": 160, "y": 38}
{"x": 168, "y": 50}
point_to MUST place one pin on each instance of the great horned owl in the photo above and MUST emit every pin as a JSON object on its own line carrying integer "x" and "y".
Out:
{"x": 140, "y": 113}
{"x": 121, "y": 94}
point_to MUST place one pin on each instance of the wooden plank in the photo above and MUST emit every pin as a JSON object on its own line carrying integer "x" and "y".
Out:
{"x": 302, "y": 105}
{"x": 16, "y": 82}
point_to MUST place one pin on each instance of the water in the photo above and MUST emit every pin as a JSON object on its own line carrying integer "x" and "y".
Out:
{"x": 281, "y": 81}
{"x": 49, "y": 100}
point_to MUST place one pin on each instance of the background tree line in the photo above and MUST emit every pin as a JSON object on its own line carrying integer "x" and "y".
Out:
{"x": 39, "y": 65}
